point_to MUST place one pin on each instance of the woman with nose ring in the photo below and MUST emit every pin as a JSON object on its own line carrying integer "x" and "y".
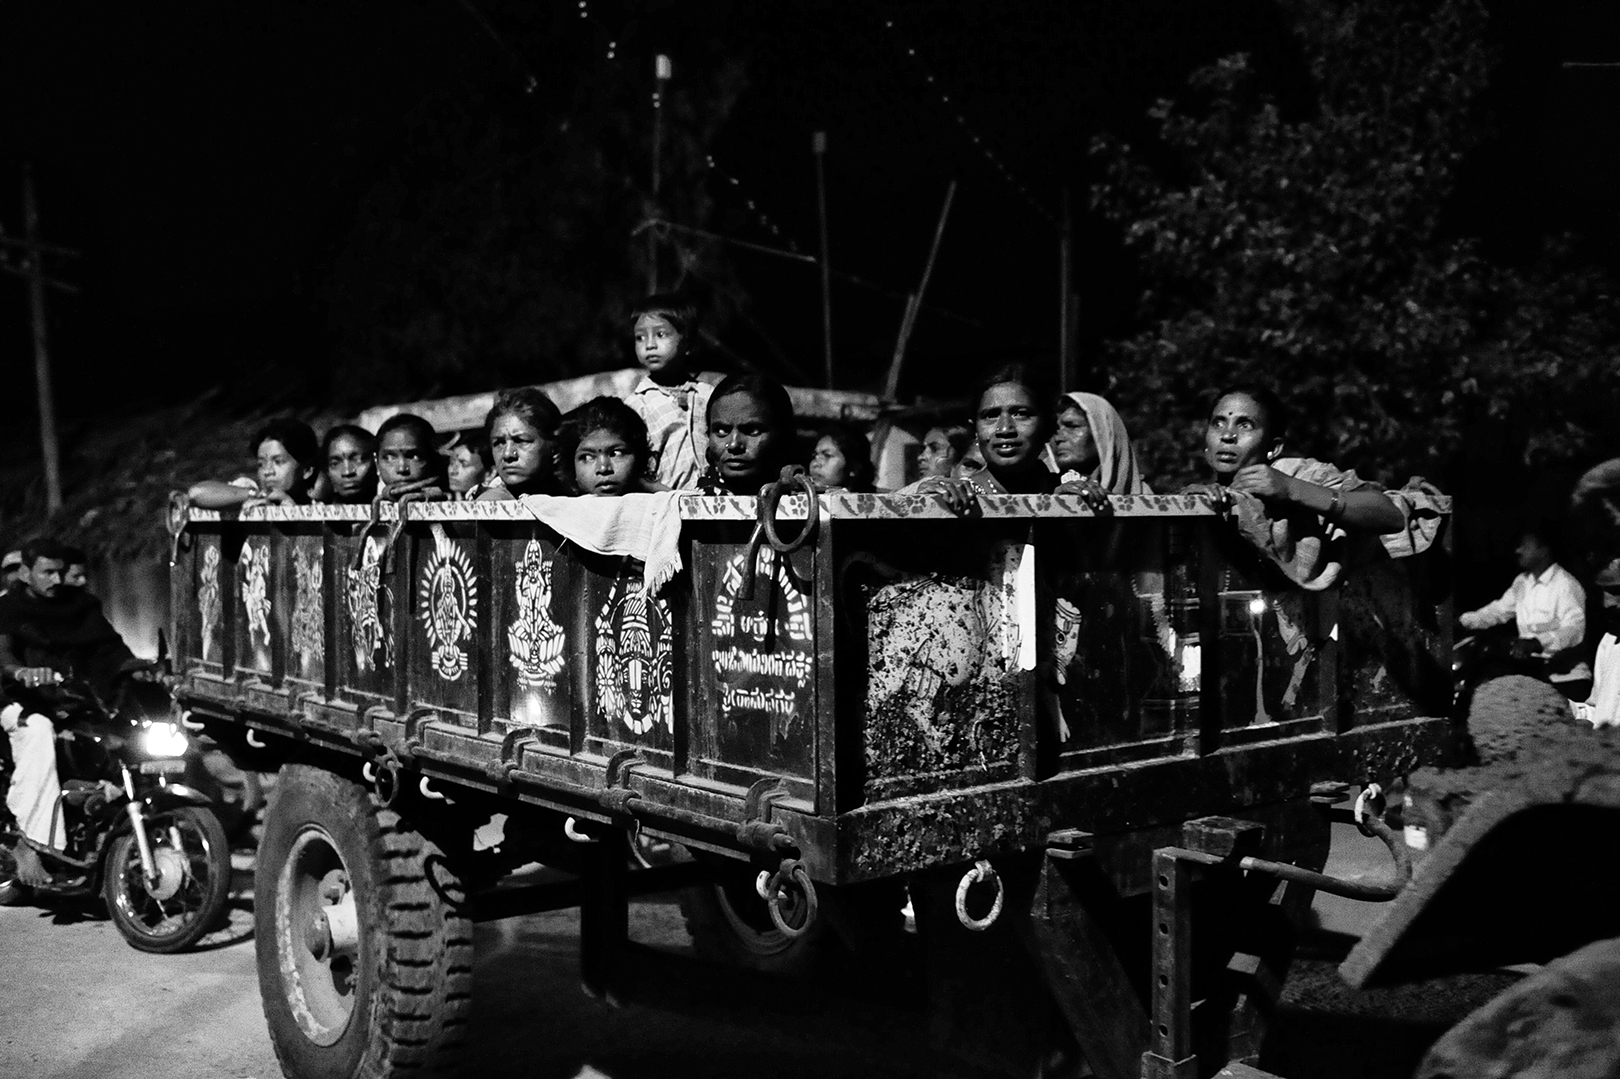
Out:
{"x": 1012, "y": 419}
{"x": 1243, "y": 446}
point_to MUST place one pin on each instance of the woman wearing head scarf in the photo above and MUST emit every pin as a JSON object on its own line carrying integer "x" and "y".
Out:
{"x": 1091, "y": 446}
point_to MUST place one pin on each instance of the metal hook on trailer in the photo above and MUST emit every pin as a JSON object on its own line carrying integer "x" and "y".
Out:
{"x": 571, "y": 830}
{"x": 254, "y": 740}
{"x": 1369, "y": 802}
{"x": 982, "y": 870}
{"x": 429, "y": 792}
{"x": 191, "y": 724}
{"x": 791, "y": 870}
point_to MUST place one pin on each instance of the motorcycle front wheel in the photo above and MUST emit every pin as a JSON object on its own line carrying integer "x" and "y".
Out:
{"x": 187, "y": 899}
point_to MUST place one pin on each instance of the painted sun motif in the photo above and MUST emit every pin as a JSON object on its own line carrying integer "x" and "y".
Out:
{"x": 449, "y": 605}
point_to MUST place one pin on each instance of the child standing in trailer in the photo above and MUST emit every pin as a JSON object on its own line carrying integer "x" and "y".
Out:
{"x": 671, "y": 398}
{"x": 605, "y": 450}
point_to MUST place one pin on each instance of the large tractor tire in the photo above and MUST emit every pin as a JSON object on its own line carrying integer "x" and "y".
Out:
{"x": 729, "y": 923}
{"x": 364, "y": 945}
{"x": 1512, "y": 712}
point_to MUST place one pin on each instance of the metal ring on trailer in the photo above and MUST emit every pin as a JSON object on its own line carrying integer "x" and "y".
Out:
{"x": 771, "y": 496}
{"x": 982, "y": 870}
{"x": 791, "y": 870}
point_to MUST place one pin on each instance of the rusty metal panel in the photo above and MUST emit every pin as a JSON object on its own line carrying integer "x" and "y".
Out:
{"x": 946, "y": 702}
{"x": 1120, "y": 642}
{"x": 1271, "y": 644}
{"x": 754, "y": 662}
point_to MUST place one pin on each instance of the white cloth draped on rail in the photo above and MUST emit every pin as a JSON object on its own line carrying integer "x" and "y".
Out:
{"x": 642, "y": 526}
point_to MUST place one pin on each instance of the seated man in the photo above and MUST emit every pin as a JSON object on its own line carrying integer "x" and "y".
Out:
{"x": 1548, "y": 606}
{"x": 47, "y": 631}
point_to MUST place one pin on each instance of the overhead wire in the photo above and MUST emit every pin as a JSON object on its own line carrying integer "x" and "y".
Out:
{"x": 979, "y": 142}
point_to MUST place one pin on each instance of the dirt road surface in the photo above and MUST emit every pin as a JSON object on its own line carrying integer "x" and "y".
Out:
{"x": 76, "y": 1002}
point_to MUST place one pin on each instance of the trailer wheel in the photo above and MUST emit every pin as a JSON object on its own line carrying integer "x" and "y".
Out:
{"x": 364, "y": 946}
{"x": 1511, "y": 712}
{"x": 730, "y": 923}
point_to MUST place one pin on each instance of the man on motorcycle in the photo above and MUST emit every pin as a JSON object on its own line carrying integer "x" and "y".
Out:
{"x": 46, "y": 632}
{"x": 1548, "y": 606}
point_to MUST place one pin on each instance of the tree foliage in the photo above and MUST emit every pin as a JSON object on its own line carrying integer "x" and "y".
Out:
{"x": 1311, "y": 252}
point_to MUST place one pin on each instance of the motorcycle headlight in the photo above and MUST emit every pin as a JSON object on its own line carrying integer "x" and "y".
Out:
{"x": 164, "y": 740}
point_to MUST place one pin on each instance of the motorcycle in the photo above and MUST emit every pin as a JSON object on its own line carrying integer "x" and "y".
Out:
{"x": 136, "y": 830}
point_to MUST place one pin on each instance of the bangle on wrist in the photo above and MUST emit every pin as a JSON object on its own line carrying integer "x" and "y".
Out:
{"x": 1335, "y": 508}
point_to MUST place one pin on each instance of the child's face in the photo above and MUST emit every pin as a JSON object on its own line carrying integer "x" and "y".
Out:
{"x": 522, "y": 453}
{"x": 280, "y": 470}
{"x": 401, "y": 458}
{"x": 466, "y": 469}
{"x": 658, "y": 345}
{"x": 827, "y": 465}
{"x": 743, "y": 442}
{"x": 350, "y": 467}
{"x": 604, "y": 464}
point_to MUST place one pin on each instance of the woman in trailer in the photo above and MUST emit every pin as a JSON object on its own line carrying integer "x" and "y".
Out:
{"x": 1293, "y": 509}
{"x": 288, "y": 457}
{"x": 522, "y": 432}
{"x": 349, "y": 456}
{"x": 751, "y": 429}
{"x": 606, "y": 450}
{"x": 409, "y": 467}
{"x": 1090, "y": 442}
{"x": 843, "y": 461}
{"x": 942, "y": 449}
{"x": 1012, "y": 418}
{"x": 468, "y": 465}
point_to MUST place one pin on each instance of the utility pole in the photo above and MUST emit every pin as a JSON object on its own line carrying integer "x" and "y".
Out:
{"x": 663, "y": 70}
{"x": 42, "y": 359}
{"x": 1067, "y": 365}
{"x": 818, "y": 146}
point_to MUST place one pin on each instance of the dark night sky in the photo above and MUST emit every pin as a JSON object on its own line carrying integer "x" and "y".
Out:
{"x": 205, "y": 157}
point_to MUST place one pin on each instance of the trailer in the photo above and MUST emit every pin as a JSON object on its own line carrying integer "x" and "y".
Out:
{"x": 1097, "y": 751}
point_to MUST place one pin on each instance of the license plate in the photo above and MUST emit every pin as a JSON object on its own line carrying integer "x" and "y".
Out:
{"x": 173, "y": 767}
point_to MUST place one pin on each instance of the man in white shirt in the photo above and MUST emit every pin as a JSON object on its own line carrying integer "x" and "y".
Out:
{"x": 1549, "y": 606}
{"x": 1602, "y": 708}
